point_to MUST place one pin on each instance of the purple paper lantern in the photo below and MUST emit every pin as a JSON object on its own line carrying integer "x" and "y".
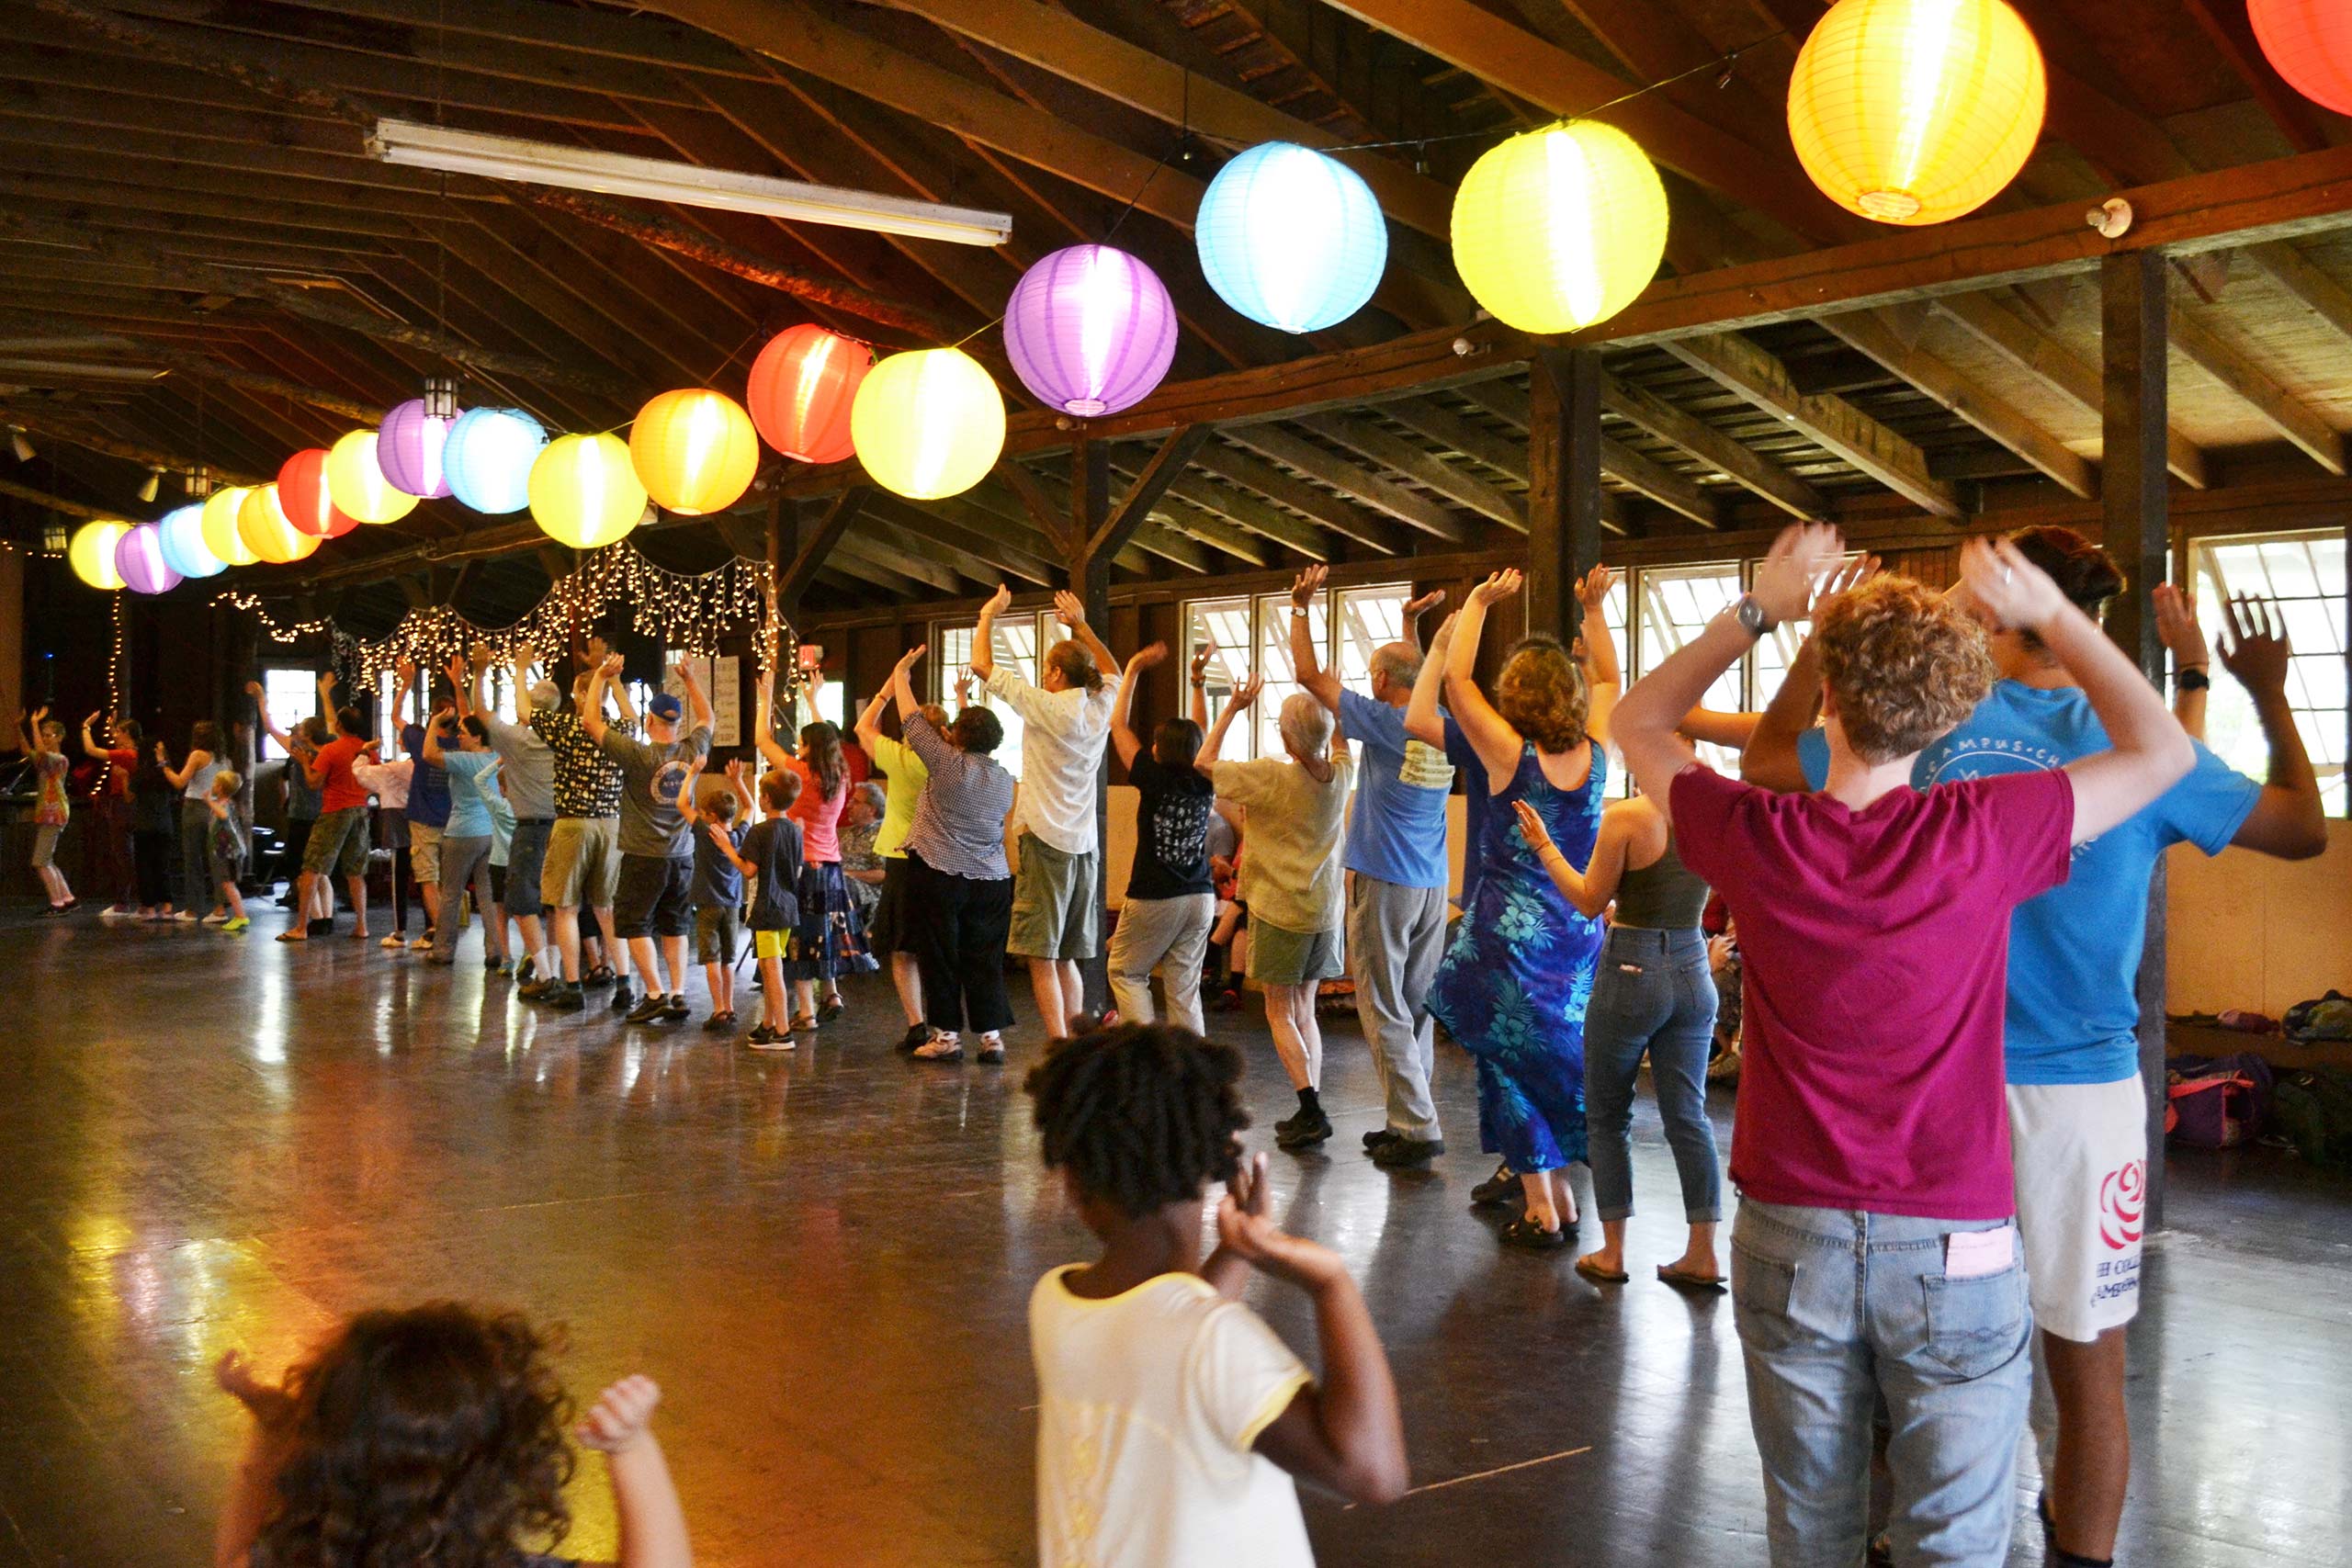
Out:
{"x": 408, "y": 448}
{"x": 138, "y": 557}
{"x": 1090, "y": 330}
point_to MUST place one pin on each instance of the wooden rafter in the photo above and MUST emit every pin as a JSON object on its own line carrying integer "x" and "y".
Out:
{"x": 2212, "y": 350}
{"x": 1349, "y": 479}
{"x": 1648, "y": 412}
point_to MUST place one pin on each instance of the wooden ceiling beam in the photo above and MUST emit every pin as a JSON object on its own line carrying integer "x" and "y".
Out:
{"x": 1198, "y": 522}
{"x": 1342, "y": 517}
{"x": 1423, "y": 467}
{"x": 1646, "y": 476}
{"x": 979, "y": 557}
{"x": 204, "y": 368}
{"x": 1829, "y": 421}
{"x": 1349, "y": 479}
{"x": 1458, "y": 434}
{"x": 1646, "y": 412}
{"x": 864, "y": 543}
{"x": 1246, "y": 512}
{"x": 2211, "y": 348}
{"x": 2294, "y": 272}
{"x": 1870, "y": 333}
{"x": 1162, "y": 469}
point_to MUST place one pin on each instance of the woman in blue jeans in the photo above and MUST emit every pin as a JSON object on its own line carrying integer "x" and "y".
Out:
{"x": 1652, "y": 994}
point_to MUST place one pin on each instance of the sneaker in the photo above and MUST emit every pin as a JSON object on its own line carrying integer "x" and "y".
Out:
{"x": 917, "y": 1034}
{"x": 397, "y": 939}
{"x": 322, "y": 927}
{"x": 528, "y": 970}
{"x": 422, "y": 944}
{"x": 1500, "y": 1188}
{"x": 567, "y": 998}
{"x": 1374, "y": 1139}
{"x": 231, "y": 927}
{"x": 116, "y": 912}
{"x": 991, "y": 1052}
{"x": 720, "y": 1023}
{"x": 1306, "y": 1132}
{"x": 1407, "y": 1153}
{"x": 674, "y": 1011}
{"x": 493, "y": 965}
{"x": 766, "y": 1039}
{"x": 181, "y": 917}
{"x": 940, "y": 1048}
{"x": 623, "y": 997}
{"x": 216, "y": 918}
{"x": 832, "y": 1008}
{"x": 653, "y": 1006}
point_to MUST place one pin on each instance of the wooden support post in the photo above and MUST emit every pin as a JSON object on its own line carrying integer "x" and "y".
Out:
{"x": 1090, "y": 579}
{"x": 1563, "y": 484}
{"x": 2135, "y": 500}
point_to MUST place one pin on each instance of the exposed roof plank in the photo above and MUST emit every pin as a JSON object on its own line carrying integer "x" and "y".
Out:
{"x": 1648, "y": 412}
{"x": 2210, "y": 349}
{"x": 1342, "y": 517}
{"x": 1425, "y": 468}
{"x": 1349, "y": 479}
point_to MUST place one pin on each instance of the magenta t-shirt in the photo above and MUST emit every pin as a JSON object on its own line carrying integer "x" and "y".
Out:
{"x": 1874, "y": 945}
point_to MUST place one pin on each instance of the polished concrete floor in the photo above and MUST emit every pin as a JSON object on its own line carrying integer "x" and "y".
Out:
{"x": 211, "y": 1142}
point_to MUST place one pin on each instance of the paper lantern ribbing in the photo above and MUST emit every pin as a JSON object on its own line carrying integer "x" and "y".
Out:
{"x": 358, "y": 484}
{"x": 1559, "y": 228}
{"x": 927, "y": 423}
{"x": 695, "y": 451}
{"x": 1090, "y": 330}
{"x": 138, "y": 560}
{"x": 801, "y": 388}
{"x": 90, "y": 552}
{"x": 409, "y": 446}
{"x": 271, "y": 535}
{"x": 1916, "y": 111}
{"x": 181, "y": 532}
{"x": 489, "y": 457}
{"x": 1291, "y": 238}
{"x": 2310, "y": 43}
{"x": 221, "y": 536}
{"x": 308, "y": 499}
{"x": 584, "y": 491}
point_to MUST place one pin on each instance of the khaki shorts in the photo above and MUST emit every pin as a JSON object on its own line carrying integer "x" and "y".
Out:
{"x": 423, "y": 855}
{"x": 1056, "y": 906}
{"x": 1278, "y": 957}
{"x": 718, "y": 935}
{"x": 2080, "y": 1151}
{"x": 582, "y": 869}
{"x": 338, "y": 843}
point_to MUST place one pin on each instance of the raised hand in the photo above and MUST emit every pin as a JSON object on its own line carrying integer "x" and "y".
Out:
{"x": 480, "y": 655}
{"x": 1852, "y": 575}
{"x": 964, "y": 688}
{"x": 1251, "y": 1192}
{"x": 1246, "y": 692}
{"x": 1498, "y": 587}
{"x": 2016, "y": 593}
{"x": 617, "y": 1420}
{"x": 999, "y": 601}
{"x": 735, "y": 770}
{"x": 2255, "y": 650}
{"x": 39, "y": 714}
{"x": 253, "y": 690}
{"x": 1147, "y": 656}
{"x": 1798, "y": 558}
{"x": 1416, "y": 608}
{"x": 326, "y": 683}
{"x": 2176, "y": 624}
{"x": 1201, "y": 656}
{"x": 1069, "y": 608}
{"x": 406, "y": 670}
{"x": 1592, "y": 591}
{"x": 1307, "y": 584}
{"x": 1267, "y": 1247}
{"x": 611, "y": 665}
{"x": 457, "y": 673}
{"x": 237, "y": 1379}
{"x": 913, "y": 657}
{"x": 1531, "y": 829}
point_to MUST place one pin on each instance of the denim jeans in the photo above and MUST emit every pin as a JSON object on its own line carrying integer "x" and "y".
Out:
{"x": 1652, "y": 993}
{"x": 1838, "y": 1310}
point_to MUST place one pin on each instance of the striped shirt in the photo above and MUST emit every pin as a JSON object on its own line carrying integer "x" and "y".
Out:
{"x": 587, "y": 783}
{"x": 959, "y": 820}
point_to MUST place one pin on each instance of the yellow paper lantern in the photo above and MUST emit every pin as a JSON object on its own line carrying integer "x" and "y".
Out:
{"x": 585, "y": 490}
{"x": 1559, "y": 228}
{"x": 266, "y": 530}
{"x": 695, "y": 451}
{"x": 356, "y": 484}
{"x": 1916, "y": 111}
{"x": 927, "y": 423}
{"x": 219, "y": 527}
{"x": 90, "y": 553}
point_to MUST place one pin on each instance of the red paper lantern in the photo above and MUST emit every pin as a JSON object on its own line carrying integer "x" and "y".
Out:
{"x": 802, "y": 386}
{"x": 2310, "y": 43}
{"x": 302, "y": 494}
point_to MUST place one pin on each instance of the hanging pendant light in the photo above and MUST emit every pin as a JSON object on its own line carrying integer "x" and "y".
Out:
{"x": 181, "y": 530}
{"x": 308, "y": 498}
{"x": 271, "y": 535}
{"x": 219, "y": 527}
{"x": 1090, "y": 330}
{"x": 695, "y": 451}
{"x": 585, "y": 493}
{"x": 489, "y": 458}
{"x": 1559, "y": 228}
{"x": 1291, "y": 237}
{"x": 91, "y": 553}
{"x": 410, "y": 442}
{"x": 927, "y": 423}
{"x": 356, "y": 484}
{"x": 2310, "y": 43}
{"x": 801, "y": 389}
{"x": 138, "y": 559}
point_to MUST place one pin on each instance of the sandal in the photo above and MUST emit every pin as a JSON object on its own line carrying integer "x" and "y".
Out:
{"x": 600, "y": 976}
{"x": 293, "y": 936}
{"x": 1690, "y": 1283}
{"x": 803, "y": 1023}
{"x": 1525, "y": 1233}
{"x": 1597, "y": 1275}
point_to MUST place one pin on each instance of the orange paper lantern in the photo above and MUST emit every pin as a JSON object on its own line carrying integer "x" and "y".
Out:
{"x": 2310, "y": 43}
{"x": 695, "y": 451}
{"x": 802, "y": 387}
{"x": 306, "y": 499}
{"x": 266, "y": 530}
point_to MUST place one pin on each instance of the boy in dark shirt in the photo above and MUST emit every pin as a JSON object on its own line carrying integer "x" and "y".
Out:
{"x": 717, "y": 885}
{"x": 771, "y": 854}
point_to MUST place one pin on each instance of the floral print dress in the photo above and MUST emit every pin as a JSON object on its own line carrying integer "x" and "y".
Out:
{"x": 1518, "y": 972}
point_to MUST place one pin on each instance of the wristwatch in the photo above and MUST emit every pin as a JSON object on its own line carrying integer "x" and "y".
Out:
{"x": 2191, "y": 678}
{"x": 1751, "y": 617}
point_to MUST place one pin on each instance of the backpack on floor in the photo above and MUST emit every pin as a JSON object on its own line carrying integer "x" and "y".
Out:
{"x": 2314, "y": 1109}
{"x": 2324, "y": 1018}
{"x": 2216, "y": 1102}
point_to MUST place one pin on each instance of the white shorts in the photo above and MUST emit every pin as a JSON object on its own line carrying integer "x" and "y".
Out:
{"x": 2081, "y": 1153}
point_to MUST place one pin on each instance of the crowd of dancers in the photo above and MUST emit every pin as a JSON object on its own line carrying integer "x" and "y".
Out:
{"x": 1935, "y": 867}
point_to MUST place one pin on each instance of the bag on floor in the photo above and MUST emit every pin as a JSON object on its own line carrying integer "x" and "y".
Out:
{"x": 2215, "y": 1102}
{"x": 2314, "y": 1109}
{"x": 2324, "y": 1018}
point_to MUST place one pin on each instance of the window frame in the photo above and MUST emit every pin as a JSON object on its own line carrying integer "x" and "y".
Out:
{"x": 1260, "y": 737}
{"x": 2227, "y": 703}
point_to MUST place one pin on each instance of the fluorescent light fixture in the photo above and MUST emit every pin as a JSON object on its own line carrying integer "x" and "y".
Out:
{"x": 77, "y": 370}
{"x": 689, "y": 184}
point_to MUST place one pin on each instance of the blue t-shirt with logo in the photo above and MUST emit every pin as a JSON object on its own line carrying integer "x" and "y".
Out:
{"x": 1398, "y": 832}
{"x": 2074, "y": 950}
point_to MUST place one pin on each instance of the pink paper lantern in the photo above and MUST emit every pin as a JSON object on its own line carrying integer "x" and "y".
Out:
{"x": 1090, "y": 330}
{"x": 408, "y": 448}
{"x": 138, "y": 557}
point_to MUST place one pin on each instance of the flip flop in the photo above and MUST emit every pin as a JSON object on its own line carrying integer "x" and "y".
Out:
{"x": 289, "y": 936}
{"x": 1525, "y": 1233}
{"x": 1597, "y": 1275}
{"x": 1691, "y": 1284}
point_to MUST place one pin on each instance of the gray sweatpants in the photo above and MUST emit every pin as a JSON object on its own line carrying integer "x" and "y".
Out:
{"x": 463, "y": 861}
{"x": 1396, "y": 935}
{"x": 1168, "y": 934}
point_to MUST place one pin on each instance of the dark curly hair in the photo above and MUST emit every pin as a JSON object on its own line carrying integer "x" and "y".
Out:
{"x": 978, "y": 731}
{"x": 430, "y": 1435}
{"x": 1142, "y": 1115}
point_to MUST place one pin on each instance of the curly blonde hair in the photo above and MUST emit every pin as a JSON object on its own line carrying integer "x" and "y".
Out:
{"x": 1904, "y": 665}
{"x": 1541, "y": 694}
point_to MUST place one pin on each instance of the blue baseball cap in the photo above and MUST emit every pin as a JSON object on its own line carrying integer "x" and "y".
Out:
{"x": 665, "y": 707}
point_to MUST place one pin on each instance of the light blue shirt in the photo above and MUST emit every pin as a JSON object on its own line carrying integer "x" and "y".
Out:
{"x": 1397, "y": 833}
{"x": 2074, "y": 950}
{"x": 469, "y": 780}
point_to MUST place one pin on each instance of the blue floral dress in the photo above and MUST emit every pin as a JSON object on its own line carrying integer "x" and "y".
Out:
{"x": 1512, "y": 986}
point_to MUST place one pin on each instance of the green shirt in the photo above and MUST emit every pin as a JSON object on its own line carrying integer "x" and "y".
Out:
{"x": 907, "y": 776}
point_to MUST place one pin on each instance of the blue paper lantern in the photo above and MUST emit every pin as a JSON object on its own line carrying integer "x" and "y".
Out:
{"x": 181, "y": 533}
{"x": 1291, "y": 237}
{"x": 487, "y": 459}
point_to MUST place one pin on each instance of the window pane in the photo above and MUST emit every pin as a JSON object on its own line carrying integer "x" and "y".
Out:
{"x": 1675, "y": 603}
{"x": 2305, "y": 572}
{"x": 1274, "y": 663}
{"x": 1368, "y": 617}
{"x": 1224, "y": 623}
{"x": 1014, "y": 644}
{"x": 293, "y": 697}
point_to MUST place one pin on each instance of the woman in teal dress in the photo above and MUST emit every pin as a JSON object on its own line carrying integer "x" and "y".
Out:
{"x": 1518, "y": 969}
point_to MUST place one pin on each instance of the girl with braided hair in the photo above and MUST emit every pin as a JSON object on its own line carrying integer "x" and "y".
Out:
{"x": 1172, "y": 1420}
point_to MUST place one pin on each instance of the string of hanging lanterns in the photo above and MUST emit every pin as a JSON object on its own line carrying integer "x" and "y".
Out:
{"x": 1905, "y": 111}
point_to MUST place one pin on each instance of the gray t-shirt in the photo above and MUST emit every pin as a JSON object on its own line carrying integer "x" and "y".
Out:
{"x": 530, "y": 766}
{"x": 652, "y": 775}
